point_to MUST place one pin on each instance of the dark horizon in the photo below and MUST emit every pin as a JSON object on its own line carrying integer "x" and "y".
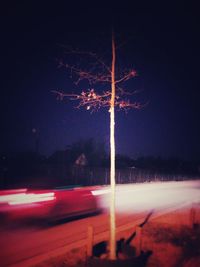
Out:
{"x": 38, "y": 155}
{"x": 160, "y": 42}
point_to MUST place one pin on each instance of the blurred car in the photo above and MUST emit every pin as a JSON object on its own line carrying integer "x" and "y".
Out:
{"x": 48, "y": 204}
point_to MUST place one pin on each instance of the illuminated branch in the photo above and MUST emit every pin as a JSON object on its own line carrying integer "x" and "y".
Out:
{"x": 127, "y": 76}
{"x": 90, "y": 54}
{"x": 90, "y": 76}
{"x": 99, "y": 73}
{"x": 121, "y": 91}
{"x": 91, "y": 100}
{"x": 96, "y": 59}
{"x": 126, "y": 105}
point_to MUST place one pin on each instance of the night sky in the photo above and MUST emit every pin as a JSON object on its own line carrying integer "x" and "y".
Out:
{"x": 160, "y": 42}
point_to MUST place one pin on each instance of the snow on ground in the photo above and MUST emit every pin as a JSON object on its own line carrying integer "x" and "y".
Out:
{"x": 151, "y": 196}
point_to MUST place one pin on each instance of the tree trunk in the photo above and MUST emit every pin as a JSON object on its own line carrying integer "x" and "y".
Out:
{"x": 112, "y": 159}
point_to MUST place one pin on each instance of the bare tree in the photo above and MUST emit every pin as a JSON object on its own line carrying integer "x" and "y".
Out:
{"x": 92, "y": 100}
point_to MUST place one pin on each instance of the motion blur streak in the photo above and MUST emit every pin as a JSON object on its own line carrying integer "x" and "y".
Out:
{"x": 24, "y": 198}
{"x": 32, "y": 198}
{"x": 7, "y": 195}
{"x": 100, "y": 192}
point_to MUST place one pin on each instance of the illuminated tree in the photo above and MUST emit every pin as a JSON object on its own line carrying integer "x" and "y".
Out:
{"x": 92, "y": 100}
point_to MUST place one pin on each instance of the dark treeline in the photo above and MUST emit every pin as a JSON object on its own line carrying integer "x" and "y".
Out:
{"x": 87, "y": 163}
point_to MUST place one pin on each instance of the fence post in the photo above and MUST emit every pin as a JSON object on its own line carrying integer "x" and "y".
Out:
{"x": 138, "y": 240}
{"x": 90, "y": 240}
{"x": 192, "y": 216}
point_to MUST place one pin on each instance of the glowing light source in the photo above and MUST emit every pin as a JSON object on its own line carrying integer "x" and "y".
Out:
{"x": 26, "y": 198}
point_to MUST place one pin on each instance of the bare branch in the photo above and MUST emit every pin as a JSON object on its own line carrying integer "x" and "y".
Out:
{"x": 92, "y": 101}
{"x": 69, "y": 50}
{"x": 99, "y": 73}
{"x": 81, "y": 74}
{"x": 127, "y": 76}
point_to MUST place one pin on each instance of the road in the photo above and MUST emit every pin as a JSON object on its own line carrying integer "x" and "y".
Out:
{"x": 23, "y": 245}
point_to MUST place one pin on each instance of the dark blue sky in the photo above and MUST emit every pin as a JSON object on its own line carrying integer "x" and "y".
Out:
{"x": 160, "y": 42}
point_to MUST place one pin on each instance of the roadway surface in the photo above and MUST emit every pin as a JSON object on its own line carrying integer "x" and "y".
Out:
{"x": 23, "y": 245}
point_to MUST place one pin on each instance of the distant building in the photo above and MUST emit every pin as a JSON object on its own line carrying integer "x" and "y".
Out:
{"x": 81, "y": 160}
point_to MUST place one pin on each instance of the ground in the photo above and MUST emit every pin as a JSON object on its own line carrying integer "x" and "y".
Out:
{"x": 173, "y": 239}
{"x": 172, "y": 247}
